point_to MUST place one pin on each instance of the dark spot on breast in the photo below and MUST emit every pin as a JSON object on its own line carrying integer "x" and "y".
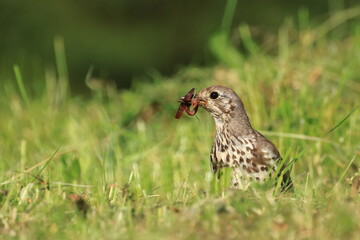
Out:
{"x": 242, "y": 153}
{"x": 241, "y": 142}
{"x": 248, "y": 160}
{"x": 232, "y": 107}
{"x": 250, "y": 141}
{"x": 245, "y": 141}
{"x": 241, "y": 160}
{"x": 254, "y": 164}
{"x": 234, "y": 156}
{"x": 228, "y": 158}
{"x": 226, "y": 146}
{"x": 257, "y": 179}
{"x": 255, "y": 170}
{"x": 263, "y": 168}
{"x": 232, "y": 149}
{"x": 248, "y": 149}
{"x": 222, "y": 148}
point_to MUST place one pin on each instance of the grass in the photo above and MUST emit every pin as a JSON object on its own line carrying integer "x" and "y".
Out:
{"x": 117, "y": 165}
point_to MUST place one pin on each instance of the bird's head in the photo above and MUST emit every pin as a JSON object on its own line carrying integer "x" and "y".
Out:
{"x": 217, "y": 100}
{"x": 224, "y": 105}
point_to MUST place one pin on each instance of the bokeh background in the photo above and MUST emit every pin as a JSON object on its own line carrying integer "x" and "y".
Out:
{"x": 115, "y": 163}
{"x": 120, "y": 41}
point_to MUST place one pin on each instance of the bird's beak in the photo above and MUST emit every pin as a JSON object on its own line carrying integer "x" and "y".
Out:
{"x": 196, "y": 101}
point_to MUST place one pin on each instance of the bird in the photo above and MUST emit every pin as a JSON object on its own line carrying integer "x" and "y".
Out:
{"x": 237, "y": 144}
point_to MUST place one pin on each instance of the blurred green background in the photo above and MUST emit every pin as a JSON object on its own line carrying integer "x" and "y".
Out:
{"x": 122, "y": 40}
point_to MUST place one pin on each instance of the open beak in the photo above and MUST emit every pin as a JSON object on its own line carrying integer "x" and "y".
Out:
{"x": 198, "y": 102}
{"x": 194, "y": 102}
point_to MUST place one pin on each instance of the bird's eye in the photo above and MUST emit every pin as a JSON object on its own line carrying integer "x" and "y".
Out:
{"x": 214, "y": 95}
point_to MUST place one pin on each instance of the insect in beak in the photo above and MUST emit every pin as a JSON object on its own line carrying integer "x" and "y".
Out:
{"x": 185, "y": 103}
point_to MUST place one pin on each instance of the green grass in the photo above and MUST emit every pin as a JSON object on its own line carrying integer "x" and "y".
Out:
{"x": 144, "y": 175}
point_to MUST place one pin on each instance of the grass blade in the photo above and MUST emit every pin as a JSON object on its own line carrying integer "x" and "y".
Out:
{"x": 20, "y": 83}
{"x": 228, "y": 15}
{"x": 342, "y": 121}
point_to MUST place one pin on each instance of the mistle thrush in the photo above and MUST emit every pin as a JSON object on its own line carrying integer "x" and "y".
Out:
{"x": 237, "y": 145}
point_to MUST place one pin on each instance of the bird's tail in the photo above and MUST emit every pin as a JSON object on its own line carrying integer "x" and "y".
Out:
{"x": 287, "y": 184}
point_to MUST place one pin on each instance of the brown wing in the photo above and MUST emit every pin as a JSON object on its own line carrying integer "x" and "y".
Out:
{"x": 273, "y": 154}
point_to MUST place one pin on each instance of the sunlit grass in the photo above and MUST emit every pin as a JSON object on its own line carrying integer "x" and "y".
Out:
{"x": 118, "y": 164}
